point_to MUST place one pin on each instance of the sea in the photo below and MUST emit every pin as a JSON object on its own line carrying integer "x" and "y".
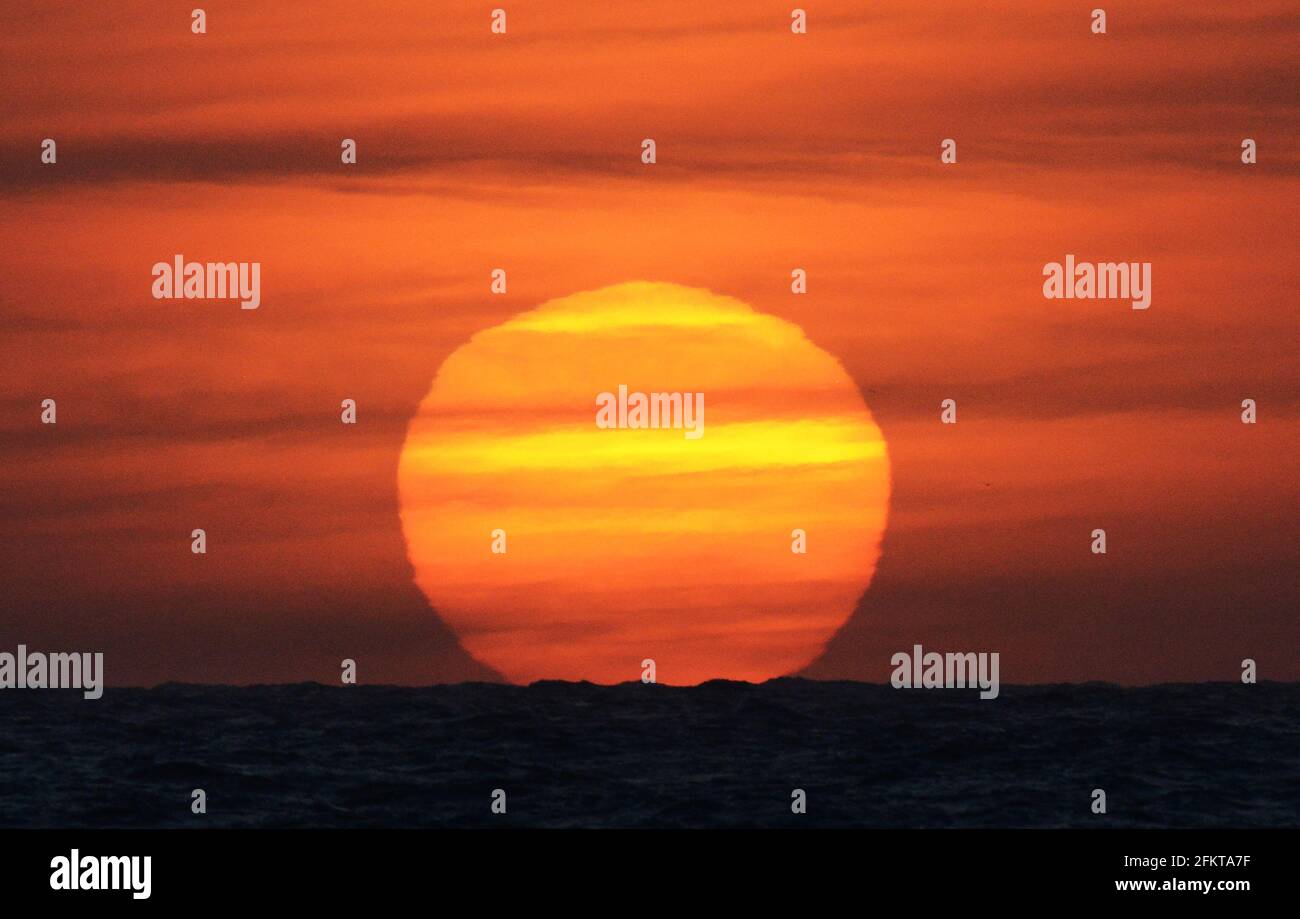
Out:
{"x": 785, "y": 753}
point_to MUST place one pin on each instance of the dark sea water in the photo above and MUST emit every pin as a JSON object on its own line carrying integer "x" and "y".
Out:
{"x": 720, "y": 754}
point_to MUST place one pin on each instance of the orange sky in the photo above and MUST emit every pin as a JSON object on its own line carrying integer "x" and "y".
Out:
{"x": 775, "y": 151}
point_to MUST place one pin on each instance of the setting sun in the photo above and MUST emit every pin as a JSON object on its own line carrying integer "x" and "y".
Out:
{"x": 560, "y": 545}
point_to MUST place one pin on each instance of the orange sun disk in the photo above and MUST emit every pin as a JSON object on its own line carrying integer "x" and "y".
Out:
{"x": 557, "y": 548}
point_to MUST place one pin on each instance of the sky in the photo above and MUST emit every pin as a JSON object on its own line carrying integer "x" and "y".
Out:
{"x": 775, "y": 151}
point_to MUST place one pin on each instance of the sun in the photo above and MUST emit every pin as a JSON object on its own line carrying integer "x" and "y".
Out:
{"x": 559, "y": 544}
